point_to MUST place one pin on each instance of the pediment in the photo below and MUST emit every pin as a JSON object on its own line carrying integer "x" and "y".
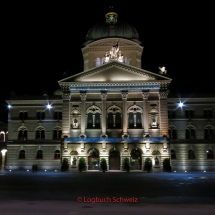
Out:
{"x": 114, "y": 72}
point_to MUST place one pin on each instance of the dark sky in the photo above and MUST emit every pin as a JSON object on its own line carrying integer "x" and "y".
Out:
{"x": 42, "y": 41}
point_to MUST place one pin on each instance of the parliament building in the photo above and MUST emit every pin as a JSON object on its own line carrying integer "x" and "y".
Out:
{"x": 114, "y": 109}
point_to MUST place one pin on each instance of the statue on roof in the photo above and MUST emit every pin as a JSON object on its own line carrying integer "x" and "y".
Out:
{"x": 163, "y": 70}
{"x": 114, "y": 50}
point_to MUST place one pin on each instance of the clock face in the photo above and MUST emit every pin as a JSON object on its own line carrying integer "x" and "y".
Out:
{"x": 111, "y": 18}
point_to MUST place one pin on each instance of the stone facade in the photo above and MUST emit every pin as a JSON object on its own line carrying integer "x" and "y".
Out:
{"x": 114, "y": 109}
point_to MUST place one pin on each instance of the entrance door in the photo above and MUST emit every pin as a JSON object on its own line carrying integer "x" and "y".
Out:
{"x": 93, "y": 163}
{"x": 136, "y": 163}
{"x": 93, "y": 159}
{"x": 114, "y": 160}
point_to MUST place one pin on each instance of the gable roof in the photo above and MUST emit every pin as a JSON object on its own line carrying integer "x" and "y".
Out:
{"x": 115, "y": 74}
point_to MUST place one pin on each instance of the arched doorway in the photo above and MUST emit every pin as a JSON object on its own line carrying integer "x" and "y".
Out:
{"x": 114, "y": 160}
{"x": 93, "y": 159}
{"x": 136, "y": 162}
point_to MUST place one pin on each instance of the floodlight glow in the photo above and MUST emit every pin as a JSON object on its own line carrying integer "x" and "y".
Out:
{"x": 9, "y": 106}
{"x": 180, "y": 104}
{"x": 3, "y": 151}
{"x": 49, "y": 106}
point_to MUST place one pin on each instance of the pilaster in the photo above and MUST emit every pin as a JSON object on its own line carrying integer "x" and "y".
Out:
{"x": 124, "y": 110}
{"x": 83, "y": 97}
{"x": 145, "y": 112}
{"x": 104, "y": 118}
{"x": 163, "y": 113}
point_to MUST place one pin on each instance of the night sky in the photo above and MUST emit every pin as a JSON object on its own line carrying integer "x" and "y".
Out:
{"x": 40, "y": 42}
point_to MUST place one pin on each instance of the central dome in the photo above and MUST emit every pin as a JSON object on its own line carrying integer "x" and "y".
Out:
{"x": 112, "y": 28}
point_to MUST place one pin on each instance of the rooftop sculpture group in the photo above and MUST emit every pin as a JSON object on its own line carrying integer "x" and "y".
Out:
{"x": 114, "y": 54}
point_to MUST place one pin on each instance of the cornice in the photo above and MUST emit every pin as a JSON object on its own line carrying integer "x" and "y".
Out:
{"x": 192, "y": 100}
{"x": 106, "y": 48}
{"x": 34, "y": 102}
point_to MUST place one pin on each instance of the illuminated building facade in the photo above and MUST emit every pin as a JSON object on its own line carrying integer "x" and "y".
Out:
{"x": 114, "y": 109}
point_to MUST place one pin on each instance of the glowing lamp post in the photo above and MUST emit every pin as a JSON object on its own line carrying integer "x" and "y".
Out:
{"x": 3, "y": 152}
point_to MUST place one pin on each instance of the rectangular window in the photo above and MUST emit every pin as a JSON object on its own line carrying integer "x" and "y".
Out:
{"x": 171, "y": 114}
{"x": 189, "y": 114}
{"x": 23, "y": 115}
{"x": 208, "y": 114}
{"x": 40, "y": 115}
{"x": 58, "y": 115}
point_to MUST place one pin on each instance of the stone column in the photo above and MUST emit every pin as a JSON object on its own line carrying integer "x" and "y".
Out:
{"x": 83, "y": 96}
{"x": 145, "y": 112}
{"x": 124, "y": 111}
{"x": 3, "y": 152}
{"x": 66, "y": 111}
{"x": 104, "y": 114}
{"x": 163, "y": 112}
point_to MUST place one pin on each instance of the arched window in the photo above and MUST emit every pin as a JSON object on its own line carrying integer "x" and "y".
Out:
{"x": 93, "y": 116}
{"x": 210, "y": 154}
{"x": 126, "y": 61}
{"x": 138, "y": 120}
{"x": 209, "y": 133}
{"x": 191, "y": 154}
{"x": 40, "y": 134}
{"x": 22, "y": 154}
{"x": 98, "y": 61}
{"x": 57, "y": 134}
{"x": 173, "y": 154}
{"x": 118, "y": 120}
{"x": 131, "y": 120}
{"x": 39, "y": 154}
{"x": 114, "y": 115}
{"x": 190, "y": 133}
{"x": 172, "y": 133}
{"x": 57, "y": 154}
{"x": 22, "y": 135}
{"x": 97, "y": 120}
{"x": 90, "y": 120}
{"x": 2, "y": 136}
{"x": 110, "y": 120}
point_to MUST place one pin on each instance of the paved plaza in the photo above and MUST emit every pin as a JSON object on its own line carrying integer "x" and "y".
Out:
{"x": 24, "y": 192}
